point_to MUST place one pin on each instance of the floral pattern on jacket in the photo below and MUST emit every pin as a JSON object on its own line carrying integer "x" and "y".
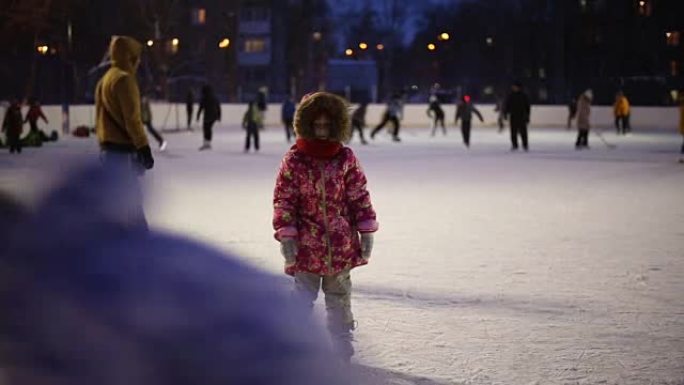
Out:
{"x": 323, "y": 204}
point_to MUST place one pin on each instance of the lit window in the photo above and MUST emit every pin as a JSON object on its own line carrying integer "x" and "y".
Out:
{"x": 199, "y": 16}
{"x": 672, "y": 38}
{"x": 255, "y": 45}
{"x": 255, "y": 14}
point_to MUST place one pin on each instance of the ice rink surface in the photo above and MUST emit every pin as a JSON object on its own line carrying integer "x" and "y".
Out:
{"x": 490, "y": 267}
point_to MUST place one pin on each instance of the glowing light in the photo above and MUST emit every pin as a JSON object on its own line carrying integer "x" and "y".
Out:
{"x": 175, "y": 41}
{"x": 150, "y": 43}
{"x": 380, "y": 47}
{"x": 349, "y": 52}
{"x": 668, "y": 34}
{"x": 42, "y": 49}
{"x": 444, "y": 36}
{"x": 363, "y": 45}
{"x": 490, "y": 41}
{"x": 431, "y": 47}
{"x": 224, "y": 43}
{"x": 317, "y": 36}
{"x": 642, "y": 3}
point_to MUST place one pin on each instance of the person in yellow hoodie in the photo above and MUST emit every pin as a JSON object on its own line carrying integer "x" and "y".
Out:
{"x": 118, "y": 121}
{"x": 621, "y": 112}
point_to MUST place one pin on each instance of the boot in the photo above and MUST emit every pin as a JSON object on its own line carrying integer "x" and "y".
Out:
{"x": 342, "y": 338}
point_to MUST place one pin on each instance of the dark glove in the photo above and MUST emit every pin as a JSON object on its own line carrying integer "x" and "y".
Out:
{"x": 145, "y": 157}
{"x": 289, "y": 250}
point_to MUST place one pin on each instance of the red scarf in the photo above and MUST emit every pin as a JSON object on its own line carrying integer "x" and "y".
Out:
{"x": 317, "y": 148}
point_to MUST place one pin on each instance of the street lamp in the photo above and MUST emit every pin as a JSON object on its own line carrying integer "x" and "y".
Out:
{"x": 363, "y": 46}
{"x": 431, "y": 47}
{"x": 349, "y": 52}
{"x": 380, "y": 47}
{"x": 175, "y": 42}
{"x": 224, "y": 43}
{"x": 150, "y": 43}
{"x": 444, "y": 36}
{"x": 42, "y": 49}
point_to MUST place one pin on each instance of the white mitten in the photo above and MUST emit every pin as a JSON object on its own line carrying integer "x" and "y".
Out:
{"x": 288, "y": 248}
{"x": 366, "y": 245}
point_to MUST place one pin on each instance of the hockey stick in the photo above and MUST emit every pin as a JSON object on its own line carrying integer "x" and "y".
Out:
{"x": 609, "y": 145}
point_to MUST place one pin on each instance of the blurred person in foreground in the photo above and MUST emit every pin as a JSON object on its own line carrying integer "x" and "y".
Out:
{"x": 322, "y": 212}
{"x": 118, "y": 120}
{"x": 96, "y": 302}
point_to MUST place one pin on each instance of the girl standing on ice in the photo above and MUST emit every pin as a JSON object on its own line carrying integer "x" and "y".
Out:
{"x": 323, "y": 215}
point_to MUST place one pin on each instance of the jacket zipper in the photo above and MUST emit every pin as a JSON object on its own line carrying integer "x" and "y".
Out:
{"x": 325, "y": 217}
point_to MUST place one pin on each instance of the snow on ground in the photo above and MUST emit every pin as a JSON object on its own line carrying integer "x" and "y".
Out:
{"x": 490, "y": 267}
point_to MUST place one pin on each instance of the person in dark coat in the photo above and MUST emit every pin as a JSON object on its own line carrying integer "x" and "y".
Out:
{"x": 583, "y": 119}
{"x": 189, "y": 107}
{"x": 95, "y": 302}
{"x": 436, "y": 112}
{"x": 572, "y": 111}
{"x": 12, "y": 125}
{"x": 209, "y": 105}
{"x": 250, "y": 123}
{"x": 262, "y": 105}
{"x": 393, "y": 114}
{"x": 287, "y": 116}
{"x": 146, "y": 116}
{"x": 358, "y": 121}
{"x": 517, "y": 109}
{"x": 465, "y": 112}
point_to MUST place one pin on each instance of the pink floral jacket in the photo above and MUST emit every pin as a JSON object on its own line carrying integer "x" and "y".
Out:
{"x": 323, "y": 204}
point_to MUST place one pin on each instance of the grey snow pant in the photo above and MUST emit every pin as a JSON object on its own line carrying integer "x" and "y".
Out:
{"x": 337, "y": 290}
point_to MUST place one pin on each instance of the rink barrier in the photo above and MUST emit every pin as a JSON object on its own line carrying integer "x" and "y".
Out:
{"x": 170, "y": 116}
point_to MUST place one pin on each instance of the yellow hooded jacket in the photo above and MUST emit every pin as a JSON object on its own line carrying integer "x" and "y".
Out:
{"x": 118, "y": 120}
{"x": 621, "y": 107}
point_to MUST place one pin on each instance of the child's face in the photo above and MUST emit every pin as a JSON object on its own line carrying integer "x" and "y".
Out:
{"x": 322, "y": 126}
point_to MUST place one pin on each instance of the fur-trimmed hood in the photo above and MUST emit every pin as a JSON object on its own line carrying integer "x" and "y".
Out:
{"x": 318, "y": 103}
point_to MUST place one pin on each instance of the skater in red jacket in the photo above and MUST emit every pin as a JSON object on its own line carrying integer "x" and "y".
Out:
{"x": 323, "y": 216}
